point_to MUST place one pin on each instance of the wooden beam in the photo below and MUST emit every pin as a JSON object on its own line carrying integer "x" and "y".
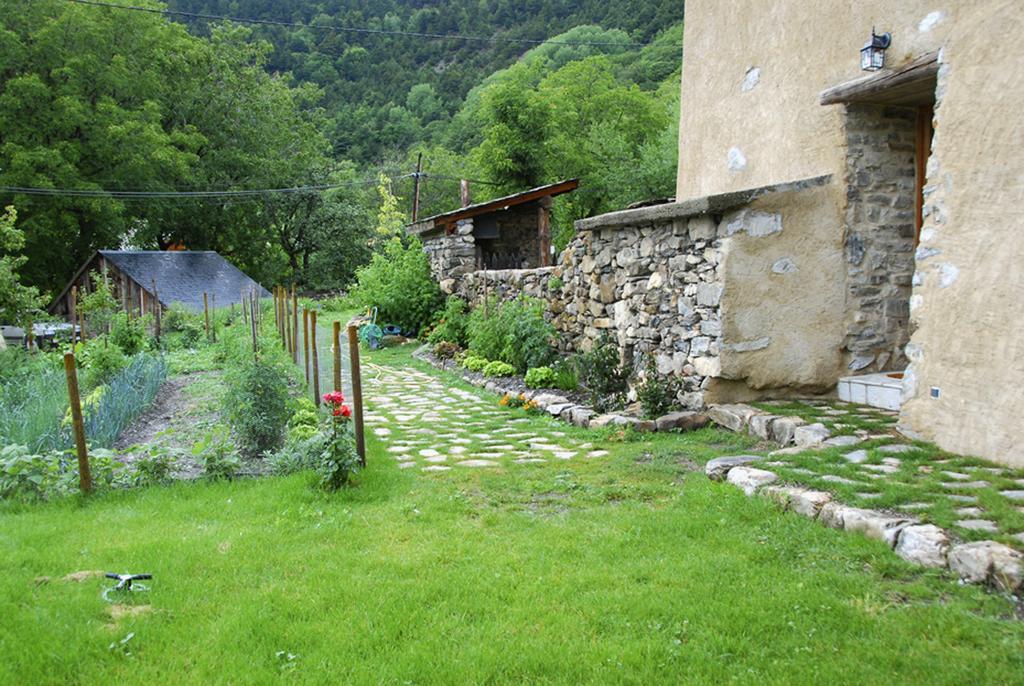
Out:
{"x": 870, "y": 88}
{"x": 544, "y": 231}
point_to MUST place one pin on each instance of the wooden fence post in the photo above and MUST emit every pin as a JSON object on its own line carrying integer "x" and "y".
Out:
{"x": 295, "y": 326}
{"x": 73, "y": 312}
{"x": 158, "y": 312}
{"x": 336, "y": 340}
{"x": 77, "y": 424}
{"x": 213, "y": 313}
{"x": 305, "y": 341}
{"x": 316, "y": 360}
{"x": 206, "y": 314}
{"x": 357, "y": 391}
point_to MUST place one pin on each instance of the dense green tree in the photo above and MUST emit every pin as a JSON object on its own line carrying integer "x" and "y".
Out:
{"x": 18, "y": 303}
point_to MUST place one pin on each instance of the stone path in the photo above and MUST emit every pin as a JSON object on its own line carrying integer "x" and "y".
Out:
{"x": 433, "y": 427}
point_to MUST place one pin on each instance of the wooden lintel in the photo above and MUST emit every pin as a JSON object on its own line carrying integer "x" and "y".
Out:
{"x": 870, "y": 88}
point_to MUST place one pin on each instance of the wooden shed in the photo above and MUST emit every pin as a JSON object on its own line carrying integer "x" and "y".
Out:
{"x": 143, "y": 280}
{"x": 511, "y": 232}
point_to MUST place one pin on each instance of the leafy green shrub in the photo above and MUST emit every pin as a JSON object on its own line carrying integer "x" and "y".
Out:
{"x": 657, "y": 394}
{"x": 217, "y": 455}
{"x": 605, "y": 379}
{"x": 555, "y": 283}
{"x": 399, "y": 284}
{"x": 299, "y": 454}
{"x": 499, "y": 368}
{"x": 540, "y": 377}
{"x": 188, "y": 325}
{"x": 129, "y": 333}
{"x": 100, "y": 359}
{"x": 514, "y": 332}
{"x": 474, "y": 363}
{"x": 154, "y": 467}
{"x": 450, "y": 323}
{"x": 257, "y": 405}
{"x": 28, "y": 475}
{"x": 446, "y": 350}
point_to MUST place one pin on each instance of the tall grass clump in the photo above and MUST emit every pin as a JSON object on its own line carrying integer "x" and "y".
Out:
{"x": 33, "y": 398}
{"x": 122, "y": 400}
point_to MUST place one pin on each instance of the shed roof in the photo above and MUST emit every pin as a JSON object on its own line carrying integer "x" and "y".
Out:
{"x": 183, "y": 276}
{"x": 439, "y": 221}
{"x": 180, "y": 276}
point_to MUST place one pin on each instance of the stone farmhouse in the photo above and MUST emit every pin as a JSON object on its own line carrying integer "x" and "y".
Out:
{"x": 836, "y": 229}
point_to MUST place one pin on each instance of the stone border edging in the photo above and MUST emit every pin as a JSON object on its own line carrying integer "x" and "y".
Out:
{"x": 562, "y": 407}
{"x": 927, "y": 545}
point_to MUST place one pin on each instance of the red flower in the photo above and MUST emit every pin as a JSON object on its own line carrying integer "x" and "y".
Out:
{"x": 337, "y": 412}
{"x": 345, "y": 411}
{"x": 334, "y": 398}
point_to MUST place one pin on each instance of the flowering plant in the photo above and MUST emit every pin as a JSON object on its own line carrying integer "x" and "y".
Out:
{"x": 339, "y": 459}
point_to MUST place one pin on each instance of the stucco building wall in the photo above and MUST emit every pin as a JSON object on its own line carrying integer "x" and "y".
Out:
{"x": 968, "y": 299}
{"x": 752, "y": 79}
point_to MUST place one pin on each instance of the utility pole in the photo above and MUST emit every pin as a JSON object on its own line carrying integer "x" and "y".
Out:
{"x": 416, "y": 188}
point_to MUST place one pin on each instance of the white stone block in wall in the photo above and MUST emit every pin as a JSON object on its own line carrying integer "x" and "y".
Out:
{"x": 885, "y": 397}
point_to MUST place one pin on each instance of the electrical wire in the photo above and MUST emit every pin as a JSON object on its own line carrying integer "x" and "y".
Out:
{"x": 175, "y": 195}
{"x": 357, "y": 30}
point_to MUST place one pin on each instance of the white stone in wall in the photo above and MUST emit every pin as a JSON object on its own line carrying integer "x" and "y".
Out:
{"x": 736, "y": 160}
{"x": 751, "y": 79}
{"x": 930, "y": 21}
{"x": 754, "y": 222}
{"x": 948, "y": 274}
{"x": 784, "y": 265}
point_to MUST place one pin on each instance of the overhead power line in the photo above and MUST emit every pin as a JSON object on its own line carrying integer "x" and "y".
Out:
{"x": 175, "y": 195}
{"x": 353, "y": 29}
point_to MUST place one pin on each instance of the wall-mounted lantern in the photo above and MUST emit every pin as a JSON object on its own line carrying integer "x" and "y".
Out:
{"x": 872, "y": 55}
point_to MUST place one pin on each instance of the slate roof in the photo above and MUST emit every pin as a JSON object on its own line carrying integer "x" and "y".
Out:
{"x": 182, "y": 276}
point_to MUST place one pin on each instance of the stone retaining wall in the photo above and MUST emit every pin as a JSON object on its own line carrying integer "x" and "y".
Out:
{"x": 653, "y": 287}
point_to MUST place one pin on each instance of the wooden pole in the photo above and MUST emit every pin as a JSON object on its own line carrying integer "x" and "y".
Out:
{"x": 213, "y": 308}
{"x": 316, "y": 360}
{"x": 336, "y": 341}
{"x": 245, "y": 309}
{"x": 77, "y": 424}
{"x": 305, "y": 341}
{"x": 206, "y": 314}
{"x": 254, "y": 305}
{"x": 157, "y": 311}
{"x": 287, "y": 339}
{"x": 295, "y": 326}
{"x": 73, "y": 312}
{"x": 357, "y": 391}
{"x": 416, "y": 189}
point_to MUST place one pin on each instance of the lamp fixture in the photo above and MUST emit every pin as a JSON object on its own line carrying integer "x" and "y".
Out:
{"x": 872, "y": 55}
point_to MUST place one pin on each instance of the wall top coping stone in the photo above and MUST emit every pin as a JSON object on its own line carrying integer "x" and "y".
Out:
{"x": 708, "y": 204}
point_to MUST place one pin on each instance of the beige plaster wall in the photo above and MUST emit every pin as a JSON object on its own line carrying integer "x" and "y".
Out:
{"x": 969, "y": 290}
{"x": 800, "y": 48}
{"x": 968, "y": 300}
{"x": 782, "y": 307}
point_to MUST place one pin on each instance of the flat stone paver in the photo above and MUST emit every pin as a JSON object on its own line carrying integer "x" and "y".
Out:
{"x": 428, "y": 425}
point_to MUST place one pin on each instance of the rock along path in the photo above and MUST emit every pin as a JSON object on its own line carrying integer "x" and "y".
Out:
{"x": 428, "y": 425}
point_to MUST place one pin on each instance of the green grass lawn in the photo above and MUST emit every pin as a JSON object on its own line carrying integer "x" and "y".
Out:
{"x": 631, "y": 568}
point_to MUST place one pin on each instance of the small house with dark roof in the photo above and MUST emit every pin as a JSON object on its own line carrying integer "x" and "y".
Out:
{"x": 143, "y": 280}
{"x": 511, "y": 232}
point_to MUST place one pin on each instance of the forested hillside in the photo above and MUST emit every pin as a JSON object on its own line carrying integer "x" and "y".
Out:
{"x": 96, "y": 101}
{"x": 367, "y": 79}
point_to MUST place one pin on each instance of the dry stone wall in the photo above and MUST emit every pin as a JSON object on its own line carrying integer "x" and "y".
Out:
{"x": 652, "y": 287}
{"x": 880, "y": 234}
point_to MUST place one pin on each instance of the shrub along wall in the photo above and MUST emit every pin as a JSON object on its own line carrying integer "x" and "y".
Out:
{"x": 652, "y": 283}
